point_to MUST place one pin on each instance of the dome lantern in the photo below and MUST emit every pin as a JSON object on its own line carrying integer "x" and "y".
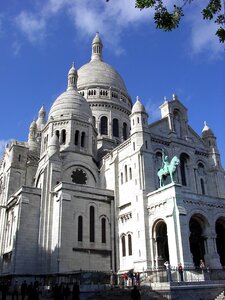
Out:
{"x": 96, "y": 48}
{"x": 72, "y": 78}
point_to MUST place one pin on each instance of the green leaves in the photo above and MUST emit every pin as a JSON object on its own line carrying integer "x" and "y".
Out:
{"x": 169, "y": 20}
{"x": 212, "y": 11}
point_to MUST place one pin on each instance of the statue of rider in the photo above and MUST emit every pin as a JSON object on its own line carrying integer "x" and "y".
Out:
{"x": 165, "y": 162}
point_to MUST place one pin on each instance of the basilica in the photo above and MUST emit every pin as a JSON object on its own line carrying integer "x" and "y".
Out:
{"x": 83, "y": 191}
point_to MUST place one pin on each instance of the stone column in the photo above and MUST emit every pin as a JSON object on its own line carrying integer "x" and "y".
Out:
{"x": 212, "y": 258}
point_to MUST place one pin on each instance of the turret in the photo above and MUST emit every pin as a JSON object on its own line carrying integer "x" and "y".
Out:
{"x": 72, "y": 79}
{"x": 210, "y": 141}
{"x": 41, "y": 121}
{"x": 138, "y": 117}
{"x": 32, "y": 137}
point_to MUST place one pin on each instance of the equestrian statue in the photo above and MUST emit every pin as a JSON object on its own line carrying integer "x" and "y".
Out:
{"x": 167, "y": 168}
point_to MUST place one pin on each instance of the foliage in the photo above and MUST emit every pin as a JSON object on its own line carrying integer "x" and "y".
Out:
{"x": 167, "y": 21}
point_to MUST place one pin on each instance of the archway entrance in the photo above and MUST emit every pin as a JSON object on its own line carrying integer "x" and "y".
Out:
{"x": 196, "y": 240}
{"x": 220, "y": 239}
{"x": 162, "y": 242}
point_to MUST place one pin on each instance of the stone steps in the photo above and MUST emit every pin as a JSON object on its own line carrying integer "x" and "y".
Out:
{"x": 125, "y": 294}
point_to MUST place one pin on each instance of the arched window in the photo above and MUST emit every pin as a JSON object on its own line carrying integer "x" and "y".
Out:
{"x": 82, "y": 139}
{"x": 115, "y": 127}
{"x": 92, "y": 224}
{"x": 104, "y": 125}
{"x": 80, "y": 229}
{"x": 103, "y": 230}
{"x": 183, "y": 168}
{"x": 77, "y": 133}
{"x": 201, "y": 175}
{"x": 123, "y": 245}
{"x": 121, "y": 175}
{"x": 202, "y": 186}
{"x": 129, "y": 244}
{"x": 124, "y": 131}
{"x": 125, "y": 168}
{"x": 63, "y": 136}
{"x": 57, "y": 133}
{"x": 130, "y": 173}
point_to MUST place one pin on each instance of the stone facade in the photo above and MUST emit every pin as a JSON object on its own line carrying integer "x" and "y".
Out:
{"x": 83, "y": 191}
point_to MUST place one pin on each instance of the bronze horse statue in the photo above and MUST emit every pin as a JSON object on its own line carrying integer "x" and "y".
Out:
{"x": 168, "y": 170}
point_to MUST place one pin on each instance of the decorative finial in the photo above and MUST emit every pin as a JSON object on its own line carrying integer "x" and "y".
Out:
{"x": 205, "y": 124}
{"x": 165, "y": 99}
{"x": 72, "y": 78}
{"x": 174, "y": 97}
{"x": 137, "y": 98}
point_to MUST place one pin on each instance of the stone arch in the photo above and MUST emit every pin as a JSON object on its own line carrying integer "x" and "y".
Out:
{"x": 161, "y": 242}
{"x": 201, "y": 177}
{"x": 104, "y": 125}
{"x": 198, "y": 226}
{"x": 220, "y": 239}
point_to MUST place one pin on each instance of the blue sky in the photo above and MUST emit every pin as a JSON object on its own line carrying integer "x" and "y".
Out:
{"x": 39, "y": 40}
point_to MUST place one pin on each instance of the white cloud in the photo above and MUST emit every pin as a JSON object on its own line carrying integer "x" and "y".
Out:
{"x": 203, "y": 37}
{"x": 32, "y": 25}
{"x": 112, "y": 18}
{"x": 88, "y": 16}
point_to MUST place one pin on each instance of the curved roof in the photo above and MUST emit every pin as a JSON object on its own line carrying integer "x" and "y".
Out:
{"x": 138, "y": 107}
{"x": 207, "y": 131}
{"x": 70, "y": 102}
{"x": 99, "y": 73}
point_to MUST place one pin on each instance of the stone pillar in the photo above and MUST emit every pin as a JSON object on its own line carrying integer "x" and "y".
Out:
{"x": 212, "y": 258}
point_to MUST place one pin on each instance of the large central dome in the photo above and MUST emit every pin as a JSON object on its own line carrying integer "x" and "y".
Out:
{"x": 99, "y": 73}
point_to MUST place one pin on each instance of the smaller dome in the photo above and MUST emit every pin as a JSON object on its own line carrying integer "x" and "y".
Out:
{"x": 71, "y": 101}
{"x": 138, "y": 107}
{"x": 207, "y": 131}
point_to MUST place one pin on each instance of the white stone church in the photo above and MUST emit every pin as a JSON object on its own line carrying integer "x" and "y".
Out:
{"x": 83, "y": 191}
